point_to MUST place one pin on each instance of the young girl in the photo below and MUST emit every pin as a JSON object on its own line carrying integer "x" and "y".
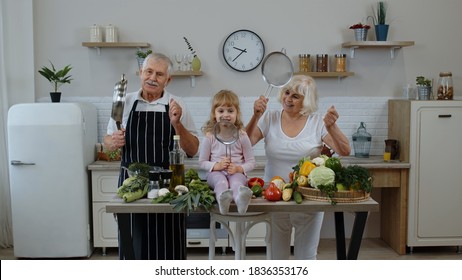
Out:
{"x": 226, "y": 171}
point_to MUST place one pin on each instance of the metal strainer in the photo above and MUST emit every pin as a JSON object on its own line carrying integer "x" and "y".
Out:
{"x": 277, "y": 70}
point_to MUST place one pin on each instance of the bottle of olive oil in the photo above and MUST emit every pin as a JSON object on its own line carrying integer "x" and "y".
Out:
{"x": 176, "y": 163}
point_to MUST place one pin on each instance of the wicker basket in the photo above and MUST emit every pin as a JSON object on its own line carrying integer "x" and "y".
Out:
{"x": 339, "y": 196}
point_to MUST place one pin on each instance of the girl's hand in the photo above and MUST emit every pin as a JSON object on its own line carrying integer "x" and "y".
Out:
{"x": 222, "y": 165}
{"x": 233, "y": 169}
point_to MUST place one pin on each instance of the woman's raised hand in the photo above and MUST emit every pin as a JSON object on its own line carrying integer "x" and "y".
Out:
{"x": 331, "y": 116}
{"x": 259, "y": 106}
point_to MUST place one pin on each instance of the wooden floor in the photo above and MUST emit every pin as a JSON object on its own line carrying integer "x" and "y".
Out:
{"x": 371, "y": 249}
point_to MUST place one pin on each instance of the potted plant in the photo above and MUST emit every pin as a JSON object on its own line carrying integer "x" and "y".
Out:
{"x": 379, "y": 15}
{"x": 360, "y": 31}
{"x": 141, "y": 55}
{"x": 424, "y": 88}
{"x": 57, "y": 78}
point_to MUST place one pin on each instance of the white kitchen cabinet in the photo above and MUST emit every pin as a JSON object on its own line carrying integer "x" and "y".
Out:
{"x": 430, "y": 136}
{"x": 104, "y": 187}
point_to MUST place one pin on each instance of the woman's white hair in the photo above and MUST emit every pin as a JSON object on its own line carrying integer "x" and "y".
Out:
{"x": 306, "y": 86}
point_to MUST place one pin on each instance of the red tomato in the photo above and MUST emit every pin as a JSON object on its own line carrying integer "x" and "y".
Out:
{"x": 273, "y": 193}
{"x": 255, "y": 180}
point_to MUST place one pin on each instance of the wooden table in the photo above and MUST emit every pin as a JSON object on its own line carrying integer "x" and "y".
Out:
{"x": 361, "y": 210}
{"x": 391, "y": 179}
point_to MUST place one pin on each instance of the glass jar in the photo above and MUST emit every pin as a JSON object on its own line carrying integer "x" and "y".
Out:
{"x": 445, "y": 89}
{"x": 362, "y": 141}
{"x": 322, "y": 62}
{"x": 304, "y": 62}
{"x": 153, "y": 187}
{"x": 340, "y": 62}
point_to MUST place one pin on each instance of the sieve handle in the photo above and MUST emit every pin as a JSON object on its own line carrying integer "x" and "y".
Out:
{"x": 268, "y": 91}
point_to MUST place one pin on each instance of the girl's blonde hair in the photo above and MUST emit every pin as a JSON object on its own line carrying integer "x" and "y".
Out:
{"x": 223, "y": 98}
{"x": 306, "y": 86}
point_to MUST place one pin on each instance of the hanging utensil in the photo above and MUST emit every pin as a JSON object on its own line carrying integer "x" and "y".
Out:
{"x": 226, "y": 133}
{"x": 277, "y": 70}
{"x": 118, "y": 102}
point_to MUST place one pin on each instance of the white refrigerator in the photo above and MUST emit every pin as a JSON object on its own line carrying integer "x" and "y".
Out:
{"x": 50, "y": 146}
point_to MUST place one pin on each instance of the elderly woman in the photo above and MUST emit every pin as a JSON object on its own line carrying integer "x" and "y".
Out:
{"x": 296, "y": 130}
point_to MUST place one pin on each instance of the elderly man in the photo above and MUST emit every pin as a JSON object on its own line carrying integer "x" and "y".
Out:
{"x": 151, "y": 117}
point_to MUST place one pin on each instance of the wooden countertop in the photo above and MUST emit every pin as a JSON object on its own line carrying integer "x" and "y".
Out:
{"x": 256, "y": 205}
{"x": 372, "y": 162}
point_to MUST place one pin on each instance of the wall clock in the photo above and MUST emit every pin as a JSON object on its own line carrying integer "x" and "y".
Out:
{"x": 243, "y": 50}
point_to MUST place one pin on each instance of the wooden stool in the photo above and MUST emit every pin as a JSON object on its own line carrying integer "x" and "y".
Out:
{"x": 244, "y": 222}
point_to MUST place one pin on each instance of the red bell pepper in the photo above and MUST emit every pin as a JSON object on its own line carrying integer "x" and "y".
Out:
{"x": 254, "y": 181}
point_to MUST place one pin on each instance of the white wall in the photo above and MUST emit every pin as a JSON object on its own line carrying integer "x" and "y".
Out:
{"x": 300, "y": 26}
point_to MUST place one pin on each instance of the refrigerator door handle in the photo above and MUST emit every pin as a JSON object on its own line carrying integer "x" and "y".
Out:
{"x": 18, "y": 162}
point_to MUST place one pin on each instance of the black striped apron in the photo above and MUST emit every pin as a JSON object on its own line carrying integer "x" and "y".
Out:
{"x": 148, "y": 139}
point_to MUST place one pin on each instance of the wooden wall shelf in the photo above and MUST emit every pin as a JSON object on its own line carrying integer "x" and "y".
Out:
{"x": 392, "y": 45}
{"x": 191, "y": 74}
{"x": 116, "y": 44}
{"x": 99, "y": 45}
{"x": 326, "y": 74}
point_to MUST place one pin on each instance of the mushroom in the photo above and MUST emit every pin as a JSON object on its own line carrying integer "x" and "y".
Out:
{"x": 163, "y": 191}
{"x": 181, "y": 189}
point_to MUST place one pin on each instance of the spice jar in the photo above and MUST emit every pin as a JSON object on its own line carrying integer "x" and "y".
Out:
{"x": 340, "y": 63}
{"x": 322, "y": 62}
{"x": 304, "y": 62}
{"x": 445, "y": 89}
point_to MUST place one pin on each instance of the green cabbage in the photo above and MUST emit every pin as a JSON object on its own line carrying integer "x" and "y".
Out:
{"x": 321, "y": 175}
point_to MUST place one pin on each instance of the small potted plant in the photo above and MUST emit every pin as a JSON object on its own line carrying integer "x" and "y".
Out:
{"x": 360, "y": 31}
{"x": 57, "y": 78}
{"x": 379, "y": 15}
{"x": 424, "y": 88}
{"x": 141, "y": 55}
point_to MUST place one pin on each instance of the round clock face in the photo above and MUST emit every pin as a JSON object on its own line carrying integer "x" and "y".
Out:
{"x": 243, "y": 50}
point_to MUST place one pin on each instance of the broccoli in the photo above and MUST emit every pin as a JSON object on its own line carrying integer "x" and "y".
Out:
{"x": 139, "y": 168}
{"x": 191, "y": 174}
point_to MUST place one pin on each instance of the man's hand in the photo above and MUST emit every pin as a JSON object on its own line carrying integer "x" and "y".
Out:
{"x": 174, "y": 112}
{"x": 118, "y": 139}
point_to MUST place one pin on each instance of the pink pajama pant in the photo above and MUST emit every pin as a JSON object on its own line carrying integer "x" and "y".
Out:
{"x": 221, "y": 181}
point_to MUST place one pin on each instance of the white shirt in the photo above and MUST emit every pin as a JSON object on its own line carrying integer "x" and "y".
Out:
{"x": 284, "y": 152}
{"x": 154, "y": 106}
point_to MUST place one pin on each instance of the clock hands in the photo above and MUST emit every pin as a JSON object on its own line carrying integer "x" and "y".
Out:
{"x": 242, "y": 51}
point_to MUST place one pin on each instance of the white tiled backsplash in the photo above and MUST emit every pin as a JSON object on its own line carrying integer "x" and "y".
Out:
{"x": 373, "y": 111}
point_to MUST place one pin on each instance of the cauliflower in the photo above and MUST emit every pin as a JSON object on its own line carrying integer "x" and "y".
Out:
{"x": 279, "y": 183}
{"x": 319, "y": 161}
{"x": 321, "y": 176}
